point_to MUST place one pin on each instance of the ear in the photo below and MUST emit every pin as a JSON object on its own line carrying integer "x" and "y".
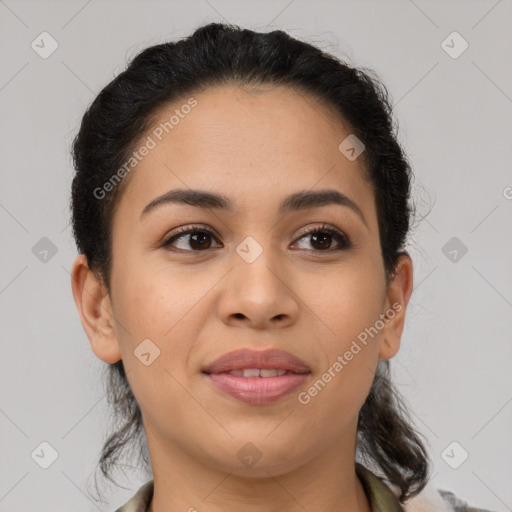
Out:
{"x": 95, "y": 309}
{"x": 397, "y": 297}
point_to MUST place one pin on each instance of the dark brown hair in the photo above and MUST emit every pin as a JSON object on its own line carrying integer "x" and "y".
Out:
{"x": 218, "y": 54}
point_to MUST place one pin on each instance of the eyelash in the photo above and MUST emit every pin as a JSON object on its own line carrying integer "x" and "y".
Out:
{"x": 337, "y": 235}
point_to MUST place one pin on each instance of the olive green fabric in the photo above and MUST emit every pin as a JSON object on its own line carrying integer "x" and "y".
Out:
{"x": 379, "y": 495}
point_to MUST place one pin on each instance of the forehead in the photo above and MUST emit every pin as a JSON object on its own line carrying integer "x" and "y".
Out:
{"x": 252, "y": 144}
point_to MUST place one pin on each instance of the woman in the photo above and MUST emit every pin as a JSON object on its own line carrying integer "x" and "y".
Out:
{"x": 240, "y": 207}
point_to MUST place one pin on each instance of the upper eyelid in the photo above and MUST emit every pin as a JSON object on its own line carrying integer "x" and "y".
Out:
{"x": 323, "y": 225}
{"x": 184, "y": 230}
{"x": 187, "y": 230}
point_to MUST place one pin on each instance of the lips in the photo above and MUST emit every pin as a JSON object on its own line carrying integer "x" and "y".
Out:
{"x": 245, "y": 359}
{"x": 257, "y": 377}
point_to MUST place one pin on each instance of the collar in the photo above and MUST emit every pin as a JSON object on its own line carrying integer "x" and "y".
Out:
{"x": 380, "y": 496}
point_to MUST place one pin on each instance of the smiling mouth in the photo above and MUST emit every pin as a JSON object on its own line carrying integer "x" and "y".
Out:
{"x": 255, "y": 376}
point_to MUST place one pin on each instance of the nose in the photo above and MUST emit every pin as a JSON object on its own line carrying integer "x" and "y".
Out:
{"x": 259, "y": 295}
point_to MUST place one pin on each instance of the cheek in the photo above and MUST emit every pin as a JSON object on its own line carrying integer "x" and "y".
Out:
{"x": 168, "y": 308}
{"x": 342, "y": 383}
{"x": 153, "y": 306}
{"x": 349, "y": 306}
{"x": 331, "y": 407}
{"x": 346, "y": 300}
{"x": 156, "y": 302}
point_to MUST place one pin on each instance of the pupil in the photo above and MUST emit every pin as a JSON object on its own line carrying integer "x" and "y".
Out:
{"x": 200, "y": 236}
{"x": 324, "y": 237}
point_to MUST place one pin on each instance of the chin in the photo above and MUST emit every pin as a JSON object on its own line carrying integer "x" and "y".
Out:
{"x": 260, "y": 458}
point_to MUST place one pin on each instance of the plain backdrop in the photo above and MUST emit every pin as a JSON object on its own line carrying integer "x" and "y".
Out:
{"x": 455, "y": 116}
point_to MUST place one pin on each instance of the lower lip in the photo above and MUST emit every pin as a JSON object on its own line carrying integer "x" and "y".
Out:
{"x": 257, "y": 390}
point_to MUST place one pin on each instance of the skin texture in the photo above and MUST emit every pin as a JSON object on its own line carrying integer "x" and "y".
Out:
{"x": 255, "y": 146}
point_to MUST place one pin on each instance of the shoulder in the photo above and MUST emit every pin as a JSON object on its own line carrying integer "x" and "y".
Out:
{"x": 457, "y": 503}
{"x": 432, "y": 499}
{"x": 383, "y": 496}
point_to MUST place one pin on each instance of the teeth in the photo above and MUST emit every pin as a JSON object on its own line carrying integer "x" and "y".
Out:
{"x": 257, "y": 372}
{"x": 251, "y": 372}
{"x": 268, "y": 372}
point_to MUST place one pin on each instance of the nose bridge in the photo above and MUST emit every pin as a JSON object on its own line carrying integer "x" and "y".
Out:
{"x": 255, "y": 263}
{"x": 250, "y": 250}
{"x": 257, "y": 285}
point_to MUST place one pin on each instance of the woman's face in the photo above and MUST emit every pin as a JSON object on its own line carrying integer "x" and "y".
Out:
{"x": 255, "y": 280}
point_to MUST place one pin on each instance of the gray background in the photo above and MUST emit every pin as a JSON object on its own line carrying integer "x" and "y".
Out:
{"x": 456, "y": 125}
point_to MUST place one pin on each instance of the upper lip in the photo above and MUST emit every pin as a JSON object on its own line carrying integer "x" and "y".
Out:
{"x": 246, "y": 358}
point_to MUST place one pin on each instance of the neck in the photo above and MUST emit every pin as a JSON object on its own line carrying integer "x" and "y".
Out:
{"x": 327, "y": 482}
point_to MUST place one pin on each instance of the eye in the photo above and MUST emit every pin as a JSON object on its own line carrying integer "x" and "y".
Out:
{"x": 199, "y": 241}
{"x": 322, "y": 236}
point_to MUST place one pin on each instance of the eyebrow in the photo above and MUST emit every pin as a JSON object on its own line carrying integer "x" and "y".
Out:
{"x": 302, "y": 200}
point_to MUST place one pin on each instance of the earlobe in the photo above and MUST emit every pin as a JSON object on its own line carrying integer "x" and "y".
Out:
{"x": 398, "y": 295}
{"x": 95, "y": 310}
